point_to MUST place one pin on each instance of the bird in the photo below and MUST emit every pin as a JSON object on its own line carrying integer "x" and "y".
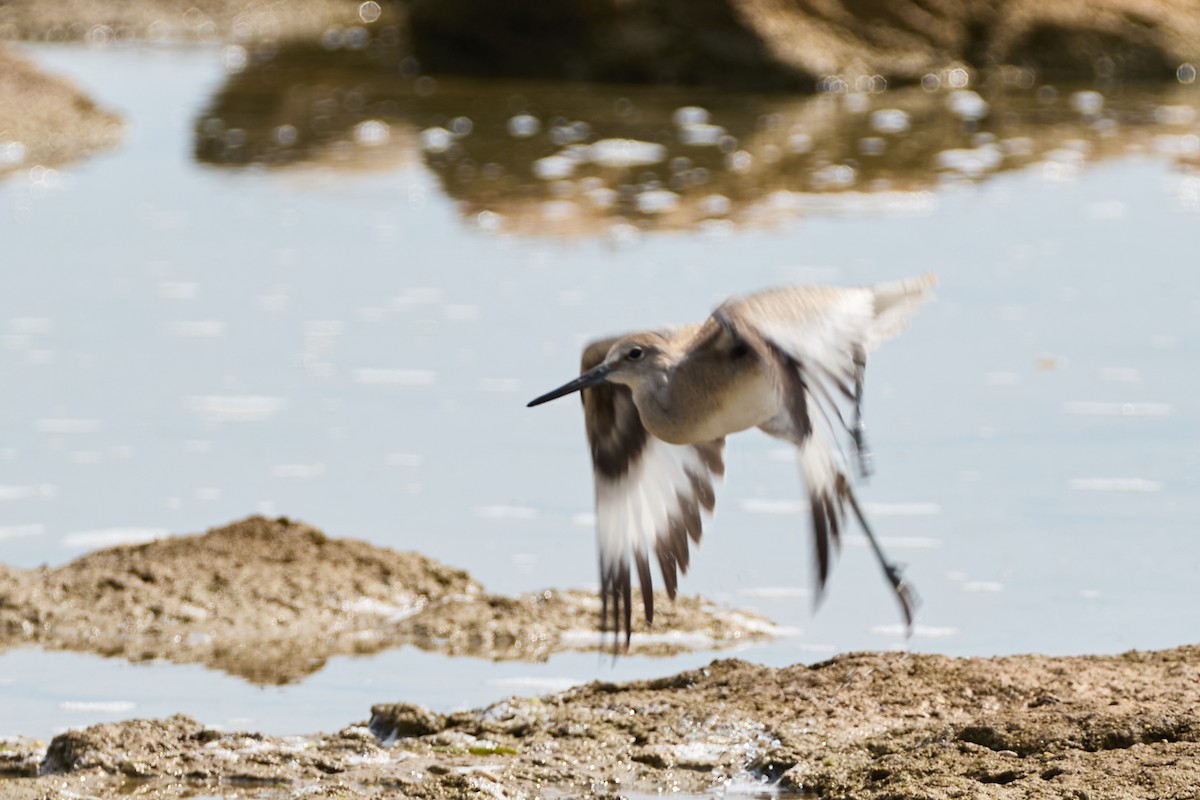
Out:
{"x": 658, "y": 405}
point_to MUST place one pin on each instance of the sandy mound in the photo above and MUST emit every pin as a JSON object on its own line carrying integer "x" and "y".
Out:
{"x": 272, "y": 600}
{"x": 861, "y": 725}
{"x": 45, "y": 120}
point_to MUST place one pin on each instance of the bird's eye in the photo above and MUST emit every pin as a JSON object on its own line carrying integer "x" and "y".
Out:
{"x": 634, "y": 353}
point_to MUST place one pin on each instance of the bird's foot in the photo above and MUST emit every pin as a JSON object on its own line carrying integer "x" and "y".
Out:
{"x": 906, "y": 595}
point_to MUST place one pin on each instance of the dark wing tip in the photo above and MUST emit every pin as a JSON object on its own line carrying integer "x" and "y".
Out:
{"x": 647, "y": 587}
{"x": 627, "y": 599}
{"x": 821, "y": 536}
{"x": 616, "y": 593}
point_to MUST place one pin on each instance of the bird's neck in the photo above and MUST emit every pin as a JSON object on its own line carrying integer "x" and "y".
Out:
{"x": 656, "y": 405}
{"x": 669, "y": 405}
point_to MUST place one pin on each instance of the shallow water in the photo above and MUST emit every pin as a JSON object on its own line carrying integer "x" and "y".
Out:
{"x": 349, "y": 336}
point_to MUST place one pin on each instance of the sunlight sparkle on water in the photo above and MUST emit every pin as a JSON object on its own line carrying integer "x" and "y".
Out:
{"x": 43, "y": 490}
{"x": 1100, "y": 409}
{"x": 234, "y": 408}
{"x": 626, "y": 153}
{"x": 523, "y": 126}
{"x": 1121, "y": 485}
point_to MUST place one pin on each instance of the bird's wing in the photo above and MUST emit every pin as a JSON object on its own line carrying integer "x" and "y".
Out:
{"x": 814, "y": 340}
{"x": 649, "y": 495}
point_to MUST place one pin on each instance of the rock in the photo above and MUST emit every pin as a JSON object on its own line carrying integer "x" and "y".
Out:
{"x": 402, "y": 720}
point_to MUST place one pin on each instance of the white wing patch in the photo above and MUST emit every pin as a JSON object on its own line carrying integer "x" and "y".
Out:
{"x": 830, "y": 337}
{"x": 652, "y": 509}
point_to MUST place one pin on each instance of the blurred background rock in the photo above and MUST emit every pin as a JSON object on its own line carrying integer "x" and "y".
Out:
{"x": 731, "y": 43}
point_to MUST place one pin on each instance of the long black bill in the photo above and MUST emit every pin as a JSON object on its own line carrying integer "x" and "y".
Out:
{"x": 593, "y": 377}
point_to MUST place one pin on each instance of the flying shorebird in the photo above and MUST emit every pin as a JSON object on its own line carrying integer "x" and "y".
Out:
{"x": 658, "y": 405}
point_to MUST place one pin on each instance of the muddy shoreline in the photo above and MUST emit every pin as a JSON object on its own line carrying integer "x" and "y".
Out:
{"x": 860, "y": 725}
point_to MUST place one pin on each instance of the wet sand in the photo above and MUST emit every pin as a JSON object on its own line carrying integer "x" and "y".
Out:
{"x": 860, "y": 725}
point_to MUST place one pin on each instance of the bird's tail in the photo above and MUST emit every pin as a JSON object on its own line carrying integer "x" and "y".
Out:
{"x": 895, "y": 302}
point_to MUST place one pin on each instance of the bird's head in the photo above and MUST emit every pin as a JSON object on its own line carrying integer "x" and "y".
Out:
{"x": 632, "y": 360}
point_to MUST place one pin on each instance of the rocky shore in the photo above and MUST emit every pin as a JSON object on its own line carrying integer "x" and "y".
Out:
{"x": 862, "y": 725}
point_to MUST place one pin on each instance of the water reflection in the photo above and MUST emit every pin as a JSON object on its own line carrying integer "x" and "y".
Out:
{"x": 571, "y": 159}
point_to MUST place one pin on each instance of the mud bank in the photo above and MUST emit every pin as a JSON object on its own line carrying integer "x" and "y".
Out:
{"x": 271, "y": 600}
{"x": 860, "y": 725}
{"x": 47, "y": 121}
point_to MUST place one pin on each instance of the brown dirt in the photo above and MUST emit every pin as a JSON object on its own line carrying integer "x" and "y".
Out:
{"x": 272, "y": 600}
{"x": 46, "y": 120}
{"x": 864, "y": 725}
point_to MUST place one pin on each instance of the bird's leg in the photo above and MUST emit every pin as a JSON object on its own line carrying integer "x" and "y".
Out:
{"x": 906, "y": 596}
{"x": 859, "y": 429}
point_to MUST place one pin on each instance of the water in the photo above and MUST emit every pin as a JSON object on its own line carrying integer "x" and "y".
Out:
{"x": 348, "y": 335}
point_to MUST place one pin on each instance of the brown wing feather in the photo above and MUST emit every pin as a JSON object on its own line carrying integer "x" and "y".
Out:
{"x": 614, "y": 428}
{"x": 619, "y": 442}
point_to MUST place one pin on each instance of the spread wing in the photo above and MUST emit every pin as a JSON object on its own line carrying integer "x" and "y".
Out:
{"x": 649, "y": 497}
{"x": 814, "y": 341}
